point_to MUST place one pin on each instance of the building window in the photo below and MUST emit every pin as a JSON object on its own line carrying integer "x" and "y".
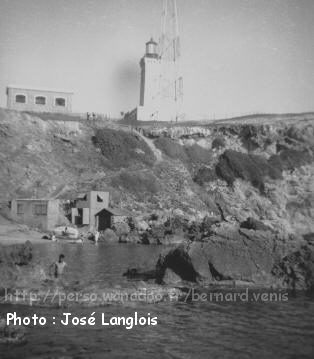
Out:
{"x": 99, "y": 199}
{"x": 20, "y": 98}
{"x": 20, "y": 208}
{"x": 60, "y": 101}
{"x": 40, "y": 100}
{"x": 40, "y": 209}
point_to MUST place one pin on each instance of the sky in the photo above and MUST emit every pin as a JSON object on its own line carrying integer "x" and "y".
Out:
{"x": 238, "y": 56}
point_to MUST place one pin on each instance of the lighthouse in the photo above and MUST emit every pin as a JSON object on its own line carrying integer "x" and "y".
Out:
{"x": 150, "y": 83}
{"x": 161, "y": 89}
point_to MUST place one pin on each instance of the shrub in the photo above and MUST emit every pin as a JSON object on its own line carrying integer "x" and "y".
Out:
{"x": 251, "y": 168}
{"x": 290, "y": 159}
{"x": 205, "y": 175}
{"x": 139, "y": 183}
{"x": 119, "y": 147}
{"x": 171, "y": 148}
{"x": 121, "y": 229}
{"x": 248, "y": 135}
{"x": 198, "y": 155}
{"x": 192, "y": 156}
{"x": 219, "y": 142}
{"x": 108, "y": 236}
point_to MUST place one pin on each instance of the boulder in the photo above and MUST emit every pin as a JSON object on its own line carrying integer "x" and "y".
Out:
{"x": 252, "y": 223}
{"x": 10, "y": 334}
{"x": 296, "y": 270}
{"x": 171, "y": 278}
{"x": 108, "y": 236}
{"x": 17, "y": 268}
{"x": 18, "y": 254}
{"x": 179, "y": 261}
{"x": 229, "y": 254}
{"x": 138, "y": 274}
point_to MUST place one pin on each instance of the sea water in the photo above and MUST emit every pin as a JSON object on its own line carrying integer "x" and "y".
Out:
{"x": 185, "y": 329}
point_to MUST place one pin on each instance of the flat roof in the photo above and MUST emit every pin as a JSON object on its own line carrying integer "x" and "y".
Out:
{"x": 35, "y": 199}
{"x": 21, "y": 87}
{"x": 114, "y": 212}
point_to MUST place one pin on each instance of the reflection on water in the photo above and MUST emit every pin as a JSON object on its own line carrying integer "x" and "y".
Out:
{"x": 184, "y": 330}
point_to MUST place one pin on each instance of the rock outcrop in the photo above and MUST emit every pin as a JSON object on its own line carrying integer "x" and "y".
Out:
{"x": 296, "y": 270}
{"x": 234, "y": 255}
{"x": 10, "y": 334}
{"x": 17, "y": 268}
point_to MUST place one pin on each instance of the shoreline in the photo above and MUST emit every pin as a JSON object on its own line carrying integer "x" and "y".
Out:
{"x": 14, "y": 236}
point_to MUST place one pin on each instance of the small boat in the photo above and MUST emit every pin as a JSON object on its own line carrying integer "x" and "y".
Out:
{"x": 65, "y": 232}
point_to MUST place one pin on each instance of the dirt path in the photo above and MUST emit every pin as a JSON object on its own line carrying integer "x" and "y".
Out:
{"x": 151, "y": 145}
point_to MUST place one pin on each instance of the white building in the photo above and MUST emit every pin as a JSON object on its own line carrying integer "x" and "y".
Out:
{"x": 23, "y": 98}
{"x": 161, "y": 88}
{"x": 148, "y": 109}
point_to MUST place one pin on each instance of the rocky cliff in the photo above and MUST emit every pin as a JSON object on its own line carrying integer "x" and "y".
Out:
{"x": 200, "y": 183}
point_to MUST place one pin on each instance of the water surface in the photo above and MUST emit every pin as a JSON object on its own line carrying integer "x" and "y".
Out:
{"x": 184, "y": 330}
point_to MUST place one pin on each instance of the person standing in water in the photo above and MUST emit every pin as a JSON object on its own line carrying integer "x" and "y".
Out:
{"x": 96, "y": 236}
{"x": 59, "y": 266}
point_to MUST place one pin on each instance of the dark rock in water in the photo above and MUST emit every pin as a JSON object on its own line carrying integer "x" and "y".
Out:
{"x": 10, "y": 334}
{"x": 252, "y": 223}
{"x": 108, "y": 236}
{"x": 18, "y": 254}
{"x": 145, "y": 238}
{"x": 136, "y": 274}
{"x": 17, "y": 268}
{"x": 179, "y": 262}
{"x": 240, "y": 255}
{"x": 171, "y": 278}
{"x": 229, "y": 254}
{"x": 296, "y": 270}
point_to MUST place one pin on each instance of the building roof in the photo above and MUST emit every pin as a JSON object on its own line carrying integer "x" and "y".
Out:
{"x": 151, "y": 41}
{"x": 114, "y": 212}
{"x": 22, "y": 87}
{"x": 35, "y": 199}
{"x": 81, "y": 196}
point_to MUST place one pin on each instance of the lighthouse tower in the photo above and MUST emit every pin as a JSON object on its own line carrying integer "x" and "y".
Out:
{"x": 161, "y": 92}
{"x": 150, "y": 83}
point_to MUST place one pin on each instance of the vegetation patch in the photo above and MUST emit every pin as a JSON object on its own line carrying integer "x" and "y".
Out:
{"x": 171, "y": 149}
{"x": 205, "y": 175}
{"x": 198, "y": 155}
{"x": 252, "y": 168}
{"x": 289, "y": 159}
{"x": 192, "y": 156}
{"x": 139, "y": 183}
{"x": 218, "y": 143}
{"x": 122, "y": 149}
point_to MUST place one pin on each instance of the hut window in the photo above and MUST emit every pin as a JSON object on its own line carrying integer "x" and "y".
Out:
{"x": 20, "y": 208}
{"x": 20, "y": 98}
{"x": 99, "y": 199}
{"x": 40, "y": 100}
{"x": 60, "y": 101}
{"x": 40, "y": 209}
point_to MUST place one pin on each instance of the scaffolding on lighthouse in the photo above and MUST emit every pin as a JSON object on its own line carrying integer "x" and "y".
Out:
{"x": 171, "y": 80}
